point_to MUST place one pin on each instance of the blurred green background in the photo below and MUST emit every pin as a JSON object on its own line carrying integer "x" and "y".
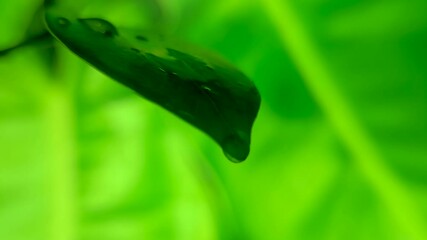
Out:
{"x": 339, "y": 147}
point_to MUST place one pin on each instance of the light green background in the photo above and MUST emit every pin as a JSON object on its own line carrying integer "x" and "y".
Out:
{"x": 339, "y": 147}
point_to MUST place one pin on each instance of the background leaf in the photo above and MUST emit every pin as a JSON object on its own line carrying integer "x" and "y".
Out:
{"x": 339, "y": 148}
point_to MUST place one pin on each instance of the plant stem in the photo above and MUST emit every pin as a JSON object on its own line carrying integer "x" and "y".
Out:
{"x": 60, "y": 113}
{"x": 62, "y": 165}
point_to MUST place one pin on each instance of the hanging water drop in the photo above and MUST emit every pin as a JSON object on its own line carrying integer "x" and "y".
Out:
{"x": 231, "y": 158}
{"x": 236, "y": 148}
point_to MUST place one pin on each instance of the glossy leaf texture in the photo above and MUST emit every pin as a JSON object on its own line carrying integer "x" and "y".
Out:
{"x": 199, "y": 87}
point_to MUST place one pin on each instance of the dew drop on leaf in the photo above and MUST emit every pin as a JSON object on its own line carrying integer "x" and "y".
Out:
{"x": 63, "y": 22}
{"x": 206, "y": 88}
{"x": 135, "y": 50}
{"x": 142, "y": 38}
{"x": 100, "y": 26}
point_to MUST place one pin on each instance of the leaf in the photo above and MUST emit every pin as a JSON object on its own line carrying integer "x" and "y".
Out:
{"x": 201, "y": 89}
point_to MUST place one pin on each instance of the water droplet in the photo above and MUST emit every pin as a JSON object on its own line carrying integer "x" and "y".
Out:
{"x": 235, "y": 148}
{"x": 135, "y": 50}
{"x": 142, "y": 38}
{"x": 209, "y": 66}
{"x": 172, "y": 75}
{"x": 207, "y": 88}
{"x": 63, "y": 22}
{"x": 100, "y": 26}
{"x": 231, "y": 158}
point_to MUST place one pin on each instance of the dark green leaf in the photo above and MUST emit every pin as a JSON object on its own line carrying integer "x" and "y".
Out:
{"x": 198, "y": 87}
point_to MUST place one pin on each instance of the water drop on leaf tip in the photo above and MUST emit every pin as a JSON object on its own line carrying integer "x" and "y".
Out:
{"x": 232, "y": 159}
{"x": 235, "y": 148}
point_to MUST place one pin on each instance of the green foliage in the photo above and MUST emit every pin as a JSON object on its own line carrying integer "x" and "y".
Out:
{"x": 338, "y": 149}
{"x": 205, "y": 91}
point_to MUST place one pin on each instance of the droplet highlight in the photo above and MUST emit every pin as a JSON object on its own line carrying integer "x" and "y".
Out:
{"x": 63, "y": 22}
{"x": 207, "y": 88}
